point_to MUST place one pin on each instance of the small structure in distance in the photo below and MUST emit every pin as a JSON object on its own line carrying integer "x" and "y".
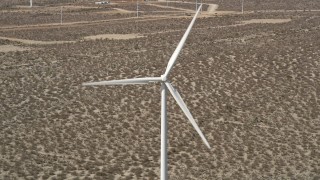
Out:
{"x": 102, "y": 2}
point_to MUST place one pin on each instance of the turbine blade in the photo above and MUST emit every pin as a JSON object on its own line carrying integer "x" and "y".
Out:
{"x": 174, "y": 56}
{"x": 124, "y": 81}
{"x": 186, "y": 111}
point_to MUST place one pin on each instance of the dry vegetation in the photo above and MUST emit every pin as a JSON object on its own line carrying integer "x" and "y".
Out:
{"x": 39, "y": 15}
{"x": 142, "y": 26}
{"x": 262, "y": 5}
{"x": 254, "y": 89}
{"x": 183, "y": 5}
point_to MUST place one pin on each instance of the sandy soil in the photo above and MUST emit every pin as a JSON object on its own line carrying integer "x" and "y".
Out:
{"x": 48, "y": 8}
{"x": 272, "y": 21}
{"x": 33, "y": 42}
{"x": 81, "y": 23}
{"x": 113, "y": 36}
{"x": 8, "y": 48}
{"x": 119, "y": 10}
{"x": 212, "y": 8}
{"x": 170, "y": 7}
{"x": 227, "y": 12}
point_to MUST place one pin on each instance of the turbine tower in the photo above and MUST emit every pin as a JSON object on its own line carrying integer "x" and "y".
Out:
{"x": 30, "y": 3}
{"x": 165, "y": 86}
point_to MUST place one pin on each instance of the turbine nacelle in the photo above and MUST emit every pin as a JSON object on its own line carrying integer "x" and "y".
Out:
{"x": 163, "y": 78}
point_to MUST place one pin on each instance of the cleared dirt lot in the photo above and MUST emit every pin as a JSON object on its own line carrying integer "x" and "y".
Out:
{"x": 253, "y": 87}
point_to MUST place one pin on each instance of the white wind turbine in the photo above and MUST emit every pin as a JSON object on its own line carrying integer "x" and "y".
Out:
{"x": 165, "y": 84}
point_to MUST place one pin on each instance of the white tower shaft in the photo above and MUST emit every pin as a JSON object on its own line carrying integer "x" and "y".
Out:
{"x": 164, "y": 129}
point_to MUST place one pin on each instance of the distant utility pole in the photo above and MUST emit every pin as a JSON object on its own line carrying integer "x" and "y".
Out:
{"x": 196, "y": 5}
{"x": 30, "y": 3}
{"x": 137, "y": 9}
{"x": 242, "y": 6}
{"x": 61, "y": 15}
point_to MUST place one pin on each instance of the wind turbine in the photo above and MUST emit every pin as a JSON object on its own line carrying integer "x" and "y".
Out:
{"x": 165, "y": 86}
{"x": 30, "y": 3}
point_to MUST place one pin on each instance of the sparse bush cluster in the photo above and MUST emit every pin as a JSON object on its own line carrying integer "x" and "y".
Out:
{"x": 261, "y": 5}
{"x": 73, "y": 32}
{"x": 40, "y": 15}
{"x": 142, "y": 7}
{"x": 190, "y": 5}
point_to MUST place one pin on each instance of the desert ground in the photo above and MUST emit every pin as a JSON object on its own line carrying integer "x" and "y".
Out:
{"x": 251, "y": 80}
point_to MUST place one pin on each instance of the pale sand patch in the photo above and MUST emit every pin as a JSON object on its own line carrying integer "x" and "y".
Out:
{"x": 115, "y": 11}
{"x": 119, "y": 10}
{"x": 212, "y": 8}
{"x": 31, "y": 42}
{"x": 226, "y": 12}
{"x": 100, "y": 36}
{"x": 170, "y": 7}
{"x": 79, "y": 7}
{"x": 272, "y": 21}
{"x": 113, "y": 36}
{"x": 48, "y": 8}
{"x": 27, "y": 7}
{"x": 8, "y": 48}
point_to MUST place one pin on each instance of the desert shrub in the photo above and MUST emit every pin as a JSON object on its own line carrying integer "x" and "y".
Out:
{"x": 152, "y": 175}
{"x": 137, "y": 171}
{"x": 102, "y": 174}
{"x": 61, "y": 176}
{"x": 45, "y": 176}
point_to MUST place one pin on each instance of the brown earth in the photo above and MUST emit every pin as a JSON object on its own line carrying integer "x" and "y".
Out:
{"x": 273, "y": 21}
{"x": 113, "y": 36}
{"x": 253, "y": 88}
{"x": 8, "y": 48}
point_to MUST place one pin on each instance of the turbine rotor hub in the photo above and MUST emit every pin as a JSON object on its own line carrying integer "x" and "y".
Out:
{"x": 163, "y": 78}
